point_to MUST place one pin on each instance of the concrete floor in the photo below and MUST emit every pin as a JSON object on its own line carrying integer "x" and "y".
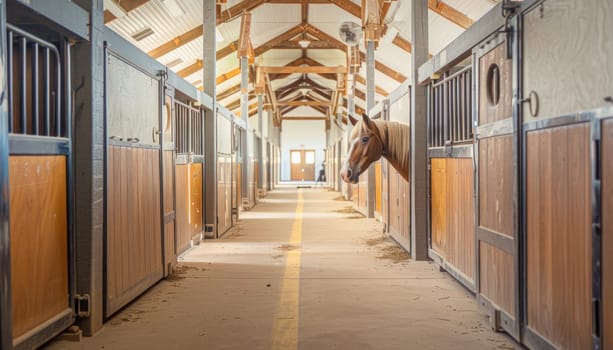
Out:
{"x": 308, "y": 274}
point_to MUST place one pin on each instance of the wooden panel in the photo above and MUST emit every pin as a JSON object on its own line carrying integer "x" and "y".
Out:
{"x": 607, "y": 235}
{"x": 134, "y": 240}
{"x": 385, "y": 197}
{"x": 438, "y": 186}
{"x": 399, "y": 208}
{"x": 494, "y": 109}
{"x": 169, "y": 208}
{"x": 224, "y": 195}
{"x": 195, "y": 198}
{"x": 557, "y": 56}
{"x": 460, "y": 215}
{"x": 378, "y": 188}
{"x": 496, "y": 184}
{"x": 363, "y": 193}
{"x": 496, "y": 277}
{"x": 452, "y": 213}
{"x": 559, "y": 235}
{"x": 39, "y": 239}
{"x": 183, "y": 208}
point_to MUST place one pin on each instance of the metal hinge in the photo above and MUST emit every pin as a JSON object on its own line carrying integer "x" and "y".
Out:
{"x": 82, "y": 305}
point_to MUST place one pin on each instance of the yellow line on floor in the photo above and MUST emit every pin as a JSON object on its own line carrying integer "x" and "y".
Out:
{"x": 285, "y": 330}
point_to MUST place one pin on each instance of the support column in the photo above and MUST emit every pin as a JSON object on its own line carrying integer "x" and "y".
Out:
{"x": 89, "y": 144}
{"x": 210, "y": 129}
{"x": 248, "y": 135}
{"x": 262, "y": 172}
{"x": 370, "y": 103}
{"x": 6, "y": 314}
{"x": 419, "y": 161}
{"x": 350, "y": 112}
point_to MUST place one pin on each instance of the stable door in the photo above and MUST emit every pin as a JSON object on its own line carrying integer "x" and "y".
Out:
{"x": 302, "y": 165}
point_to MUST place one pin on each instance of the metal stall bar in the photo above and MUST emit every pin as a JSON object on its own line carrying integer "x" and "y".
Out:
{"x": 9, "y": 87}
{"x": 24, "y": 38}
{"x": 23, "y": 49}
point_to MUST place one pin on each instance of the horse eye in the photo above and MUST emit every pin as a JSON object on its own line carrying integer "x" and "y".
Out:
{"x": 365, "y": 139}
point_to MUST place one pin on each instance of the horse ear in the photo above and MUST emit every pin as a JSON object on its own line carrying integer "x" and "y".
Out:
{"x": 352, "y": 120}
{"x": 366, "y": 120}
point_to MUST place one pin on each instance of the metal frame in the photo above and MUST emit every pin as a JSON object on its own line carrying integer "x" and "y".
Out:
{"x": 39, "y": 142}
{"x": 6, "y": 313}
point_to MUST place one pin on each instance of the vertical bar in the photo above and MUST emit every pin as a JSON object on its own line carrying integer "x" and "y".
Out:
{"x": 66, "y": 50}
{"x": 46, "y": 91}
{"x": 23, "y": 48}
{"x": 462, "y": 106}
{"x": 458, "y": 113}
{"x": 9, "y": 87}
{"x": 6, "y": 313}
{"x": 58, "y": 97}
{"x": 35, "y": 88}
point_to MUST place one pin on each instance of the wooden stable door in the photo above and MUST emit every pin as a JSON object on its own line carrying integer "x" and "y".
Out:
{"x": 496, "y": 187}
{"x": 302, "y": 165}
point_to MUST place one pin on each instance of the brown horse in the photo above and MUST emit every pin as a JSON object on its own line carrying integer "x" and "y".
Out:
{"x": 372, "y": 139}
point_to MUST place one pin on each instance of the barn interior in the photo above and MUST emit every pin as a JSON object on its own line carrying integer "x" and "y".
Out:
{"x": 173, "y": 174}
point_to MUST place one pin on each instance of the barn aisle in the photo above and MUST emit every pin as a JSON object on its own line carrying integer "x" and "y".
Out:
{"x": 300, "y": 271}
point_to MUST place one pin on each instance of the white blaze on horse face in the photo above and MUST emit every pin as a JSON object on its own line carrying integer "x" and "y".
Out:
{"x": 346, "y": 167}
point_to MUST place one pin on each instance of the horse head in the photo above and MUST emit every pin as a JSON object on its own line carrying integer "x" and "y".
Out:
{"x": 365, "y": 147}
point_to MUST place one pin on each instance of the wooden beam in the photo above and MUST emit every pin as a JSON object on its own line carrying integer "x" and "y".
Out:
{"x": 450, "y": 13}
{"x": 304, "y": 11}
{"x": 402, "y": 43}
{"x": 304, "y": 118}
{"x": 292, "y": 44}
{"x": 385, "y": 69}
{"x": 323, "y": 36}
{"x": 176, "y": 42}
{"x": 191, "y": 69}
{"x": 126, "y": 5}
{"x": 304, "y": 103}
{"x": 304, "y": 69}
{"x": 244, "y": 38}
{"x": 238, "y": 9}
{"x": 227, "y": 76}
{"x": 297, "y": 30}
{"x": 226, "y": 51}
{"x": 348, "y": 6}
{"x": 228, "y": 92}
{"x": 360, "y": 79}
{"x": 372, "y": 20}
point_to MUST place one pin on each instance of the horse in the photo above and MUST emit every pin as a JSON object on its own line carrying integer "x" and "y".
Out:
{"x": 372, "y": 139}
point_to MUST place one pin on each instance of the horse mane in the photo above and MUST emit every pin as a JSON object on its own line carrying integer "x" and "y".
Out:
{"x": 396, "y": 143}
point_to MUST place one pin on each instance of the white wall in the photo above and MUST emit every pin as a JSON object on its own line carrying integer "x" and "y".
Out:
{"x": 302, "y": 134}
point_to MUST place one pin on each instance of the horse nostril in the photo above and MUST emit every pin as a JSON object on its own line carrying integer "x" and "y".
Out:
{"x": 348, "y": 172}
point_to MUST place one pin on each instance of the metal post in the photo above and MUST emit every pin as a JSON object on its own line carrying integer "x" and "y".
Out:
{"x": 209, "y": 83}
{"x": 6, "y": 313}
{"x": 247, "y": 140}
{"x": 262, "y": 147}
{"x": 418, "y": 167}
{"x": 89, "y": 148}
{"x": 370, "y": 103}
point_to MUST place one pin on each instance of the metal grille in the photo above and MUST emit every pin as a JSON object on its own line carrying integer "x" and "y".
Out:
{"x": 190, "y": 127}
{"x": 34, "y": 80}
{"x": 450, "y": 109}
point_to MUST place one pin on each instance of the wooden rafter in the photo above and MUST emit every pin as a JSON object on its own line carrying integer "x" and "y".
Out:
{"x": 304, "y": 69}
{"x": 304, "y": 118}
{"x": 176, "y": 42}
{"x": 385, "y": 69}
{"x": 126, "y": 5}
{"x": 244, "y": 40}
{"x": 372, "y": 19}
{"x": 348, "y": 6}
{"x": 450, "y": 13}
{"x": 402, "y": 43}
{"x": 228, "y": 92}
{"x": 237, "y": 10}
{"x": 272, "y": 43}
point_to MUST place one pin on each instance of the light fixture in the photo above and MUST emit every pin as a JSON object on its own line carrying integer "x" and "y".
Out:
{"x": 174, "y": 62}
{"x": 304, "y": 43}
{"x": 142, "y": 34}
{"x": 173, "y": 7}
{"x": 114, "y": 8}
{"x": 218, "y": 36}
